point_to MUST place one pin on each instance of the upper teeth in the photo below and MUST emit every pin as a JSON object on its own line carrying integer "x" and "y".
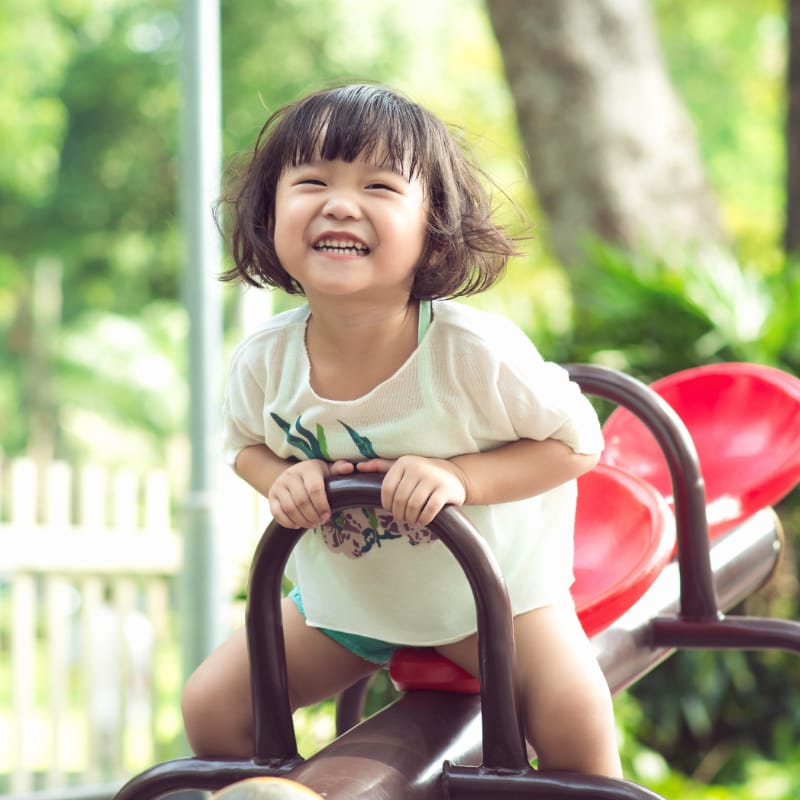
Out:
{"x": 347, "y": 246}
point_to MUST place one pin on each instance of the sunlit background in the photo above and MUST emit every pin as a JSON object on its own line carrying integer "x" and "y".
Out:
{"x": 93, "y": 378}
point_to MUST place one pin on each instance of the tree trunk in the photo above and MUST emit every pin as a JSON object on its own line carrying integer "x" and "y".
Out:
{"x": 792, "y": 231}
{"x": 612, "y": 152}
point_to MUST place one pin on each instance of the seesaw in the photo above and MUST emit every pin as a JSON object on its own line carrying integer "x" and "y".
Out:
{"x": 447, "y": 736}
{"x": 744, "y": 423}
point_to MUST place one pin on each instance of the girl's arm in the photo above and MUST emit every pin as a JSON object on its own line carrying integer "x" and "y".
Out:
{"x": 520, "y": 469}
{"x": 260, "y": 467}
{"x": 416, "y": 488}
{"x": 295, "y": 489}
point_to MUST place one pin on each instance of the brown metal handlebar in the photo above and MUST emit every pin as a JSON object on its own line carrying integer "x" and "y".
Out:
{"x": 274, "y": 740}
{"x": 698, "y": 596}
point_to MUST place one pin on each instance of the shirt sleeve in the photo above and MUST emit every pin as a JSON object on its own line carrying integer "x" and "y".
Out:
{"x": 242, "y": 408}
{"x": 541, "y": 400}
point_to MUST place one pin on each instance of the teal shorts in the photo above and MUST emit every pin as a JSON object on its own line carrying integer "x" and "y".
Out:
{"x": 373, "y": 650}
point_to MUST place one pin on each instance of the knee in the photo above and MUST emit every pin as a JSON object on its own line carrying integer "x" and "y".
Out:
{"x": 192, "y": 700}
{"x": 216, "y": 724}
{"x": 578, "y": 732}
{"x": 197, "y": 712}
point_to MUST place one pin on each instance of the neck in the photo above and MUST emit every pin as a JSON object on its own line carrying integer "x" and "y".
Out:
{"x": 351, "y": 353}
{"x": 353, "y": 329}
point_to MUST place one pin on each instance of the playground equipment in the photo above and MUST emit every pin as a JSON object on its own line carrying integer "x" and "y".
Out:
{"x": 744, "y": 423}
{"x": 446, "y": 736}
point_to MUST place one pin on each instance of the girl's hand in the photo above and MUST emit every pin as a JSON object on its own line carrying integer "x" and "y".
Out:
{"x": 415, "y": 489}
{"x": 297, "y": 498}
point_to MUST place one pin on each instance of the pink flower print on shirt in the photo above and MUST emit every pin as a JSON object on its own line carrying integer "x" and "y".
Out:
{"x": 355, "y": 531}
{"x": 414, "y": 534}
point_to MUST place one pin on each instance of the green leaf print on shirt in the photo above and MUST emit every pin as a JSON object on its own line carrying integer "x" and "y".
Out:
{"x": 363, "y": 444}
{"x": 323, "y": 442}
{"x": 311, "y": 446}
{"x": 317, "y": 446}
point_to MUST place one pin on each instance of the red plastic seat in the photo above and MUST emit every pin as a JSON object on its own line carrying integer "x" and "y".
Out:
{"x": 745, "y": 423}
{"x": 423, "y": 668}
{"x": 624, "y": 536}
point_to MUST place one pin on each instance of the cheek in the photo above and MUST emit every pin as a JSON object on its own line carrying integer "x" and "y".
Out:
{"x": 281, "y": 213}
{"x": 289, "y": 214}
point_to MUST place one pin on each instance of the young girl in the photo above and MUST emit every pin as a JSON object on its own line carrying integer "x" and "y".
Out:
{"x": 363, "y": 202}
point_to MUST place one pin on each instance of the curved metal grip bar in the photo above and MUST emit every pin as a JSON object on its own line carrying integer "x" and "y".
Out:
{"x": 698, "y": 600}
{"x": 274, "y": 740}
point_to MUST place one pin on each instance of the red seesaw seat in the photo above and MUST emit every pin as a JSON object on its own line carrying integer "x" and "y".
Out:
{"x": 624, "y": 536}
{"x": 745, "y": 423}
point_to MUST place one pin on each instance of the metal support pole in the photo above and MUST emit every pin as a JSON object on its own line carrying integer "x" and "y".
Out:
{"x": 201, "y": 617}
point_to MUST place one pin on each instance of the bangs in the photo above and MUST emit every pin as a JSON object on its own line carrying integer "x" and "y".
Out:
{"x": 358, "y": 122}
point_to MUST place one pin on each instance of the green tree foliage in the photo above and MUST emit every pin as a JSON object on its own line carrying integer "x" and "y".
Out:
{"x": 88, "y": 202}
{"x": 104, "y": 206}
{"x": 727, "y": 61}
{"x": 33, "y": 53}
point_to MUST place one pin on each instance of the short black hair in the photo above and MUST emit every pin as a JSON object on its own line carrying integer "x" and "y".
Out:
{"x": 465, "y": 251}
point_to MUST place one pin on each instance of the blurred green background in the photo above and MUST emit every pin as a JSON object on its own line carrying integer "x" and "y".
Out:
{"x": 93, "y": 366}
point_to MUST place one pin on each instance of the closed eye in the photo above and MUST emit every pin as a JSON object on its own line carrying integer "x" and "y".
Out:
{"x": 311, "y": 181}
{"x": 384, "y": 186}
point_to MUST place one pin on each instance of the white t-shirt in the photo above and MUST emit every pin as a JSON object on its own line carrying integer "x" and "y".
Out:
{"x": 475, "y": 382}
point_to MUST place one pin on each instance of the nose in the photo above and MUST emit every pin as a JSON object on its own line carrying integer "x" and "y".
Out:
{"x": 341, "y": 204}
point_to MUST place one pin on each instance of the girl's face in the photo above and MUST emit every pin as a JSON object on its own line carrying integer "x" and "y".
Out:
{"x": 350, "y": 228}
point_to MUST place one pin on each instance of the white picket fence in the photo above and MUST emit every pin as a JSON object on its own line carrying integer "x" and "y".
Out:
{"x": 89, "y": 639}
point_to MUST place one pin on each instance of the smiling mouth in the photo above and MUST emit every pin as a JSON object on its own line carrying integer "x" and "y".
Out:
{"x": 344, "y": 247}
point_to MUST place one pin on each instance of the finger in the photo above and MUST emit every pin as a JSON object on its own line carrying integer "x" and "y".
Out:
{"x": 422, "y": 505}
{"x": 315, "y": 506}
{"x": 375, "y": 465}
{"x": 280, "y": 515}
{"x": 388, "y": 486}
{"x": 396, "y": 492}
{"x": 433, "y": 505}
{"x": 307, "y": 485}
{"x": 342, "y": 468}
{"x": 300, "y": 505}
{"x": 312, "y": 502}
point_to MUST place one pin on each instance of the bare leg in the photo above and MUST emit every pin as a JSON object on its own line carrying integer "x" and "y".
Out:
{"x": 566, "y": 701}
{"x": 216, "y": 701}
